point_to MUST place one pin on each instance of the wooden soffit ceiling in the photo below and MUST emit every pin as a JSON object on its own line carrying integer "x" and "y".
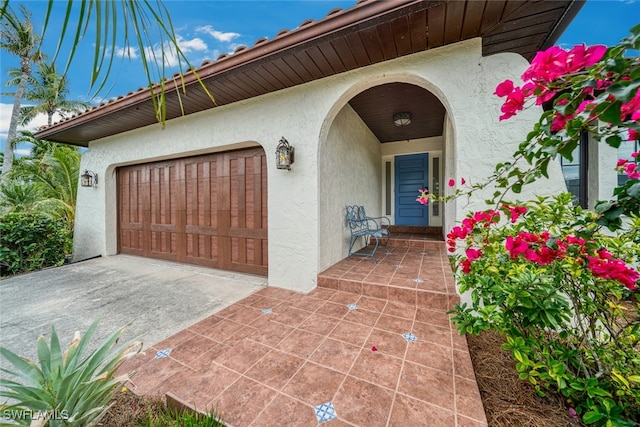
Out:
{"x": 370, "y": 32}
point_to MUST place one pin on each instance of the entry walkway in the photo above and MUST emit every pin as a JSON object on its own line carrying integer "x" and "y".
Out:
{"x": 372, "y": 346}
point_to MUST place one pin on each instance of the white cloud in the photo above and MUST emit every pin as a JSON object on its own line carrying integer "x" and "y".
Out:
{"x": 126, "y": 52}
{"x": 218, "y": 35}
{"x": 170, "y": 55}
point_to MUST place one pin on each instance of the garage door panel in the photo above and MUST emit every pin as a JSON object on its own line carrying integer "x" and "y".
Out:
{"x": 206, "y": 210}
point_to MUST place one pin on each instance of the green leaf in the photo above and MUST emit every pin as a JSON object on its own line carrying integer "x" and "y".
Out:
{"x": 592, "y": 417}
{"x": 634, "y": 190}
{"x": 614, "y": 141}
{"x": 624, "y": 90}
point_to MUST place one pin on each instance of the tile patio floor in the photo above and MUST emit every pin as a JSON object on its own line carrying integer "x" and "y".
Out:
{"x": 274, "y": 358}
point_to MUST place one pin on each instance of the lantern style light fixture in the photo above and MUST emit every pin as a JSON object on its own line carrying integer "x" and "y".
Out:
{"x": 284, "y": 154}
{"x": 402, "y": 119}
{"x": 89, "y": 179}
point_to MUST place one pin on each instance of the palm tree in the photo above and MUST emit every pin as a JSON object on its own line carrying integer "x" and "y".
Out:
{"x": 17, "y": 37}
{"x": 49, "y": 90}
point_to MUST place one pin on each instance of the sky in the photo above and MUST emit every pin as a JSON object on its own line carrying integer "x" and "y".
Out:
{"x": 207, "y": 28}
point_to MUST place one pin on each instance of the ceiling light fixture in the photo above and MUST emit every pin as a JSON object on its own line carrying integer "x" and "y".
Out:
{"x": 402, "y": 119}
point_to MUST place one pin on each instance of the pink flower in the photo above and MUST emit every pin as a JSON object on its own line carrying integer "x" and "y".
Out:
{"x": 504, "y": 88}
{"x": 516, "y": 246}
{"x": 462, "y": 181}
{"x": 631, "y": 109}
{"x": 633, "y": 135}
{"x": 621, "y": 162}
{"x": 374, "y": 348}
{"x": 473, "y": 254}
{"x": 513, "y": 103}
{"x": 547, "y": 65}
{"x": 635, "y": 154}
{"x": 515, "y": 212}
{"x": 466, "y": 266}
{"x": 451, "y": 183}
{"x": 582, "y": 56}
{"x": 560, "y": 122}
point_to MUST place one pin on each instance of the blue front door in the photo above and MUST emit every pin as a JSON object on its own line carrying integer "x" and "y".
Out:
{"x": 411, "y": 174}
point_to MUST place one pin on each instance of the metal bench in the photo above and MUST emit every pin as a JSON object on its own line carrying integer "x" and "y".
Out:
{"x": 360, "y": 225}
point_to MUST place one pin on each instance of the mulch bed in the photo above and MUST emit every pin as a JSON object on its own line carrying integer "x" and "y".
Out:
{"x": 508, "y": 400}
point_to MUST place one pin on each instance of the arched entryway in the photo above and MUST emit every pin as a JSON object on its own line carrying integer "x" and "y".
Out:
{"x": 370, "y": 159}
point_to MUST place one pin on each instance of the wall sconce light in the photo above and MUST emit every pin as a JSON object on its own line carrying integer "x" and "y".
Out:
{"x": 284, "y": 154}
{"x": 89, "y": 179}
{"x": 402, "y": 119}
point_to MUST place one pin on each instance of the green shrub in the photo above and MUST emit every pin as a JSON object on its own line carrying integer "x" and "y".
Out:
{"x": 564, "y": 296}
{"x": 32, "y": 240}
{"x": 66, "y": 389}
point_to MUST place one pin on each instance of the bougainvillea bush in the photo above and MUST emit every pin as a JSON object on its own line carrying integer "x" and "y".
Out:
{"x": 558, "y": 282}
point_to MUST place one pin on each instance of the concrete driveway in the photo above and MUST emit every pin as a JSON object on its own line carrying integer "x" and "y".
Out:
{"x": 158, "y": 299}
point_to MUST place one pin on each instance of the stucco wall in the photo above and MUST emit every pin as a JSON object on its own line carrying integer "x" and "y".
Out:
{"x": 349, "y": 174}
{"x": 458, "y": 75}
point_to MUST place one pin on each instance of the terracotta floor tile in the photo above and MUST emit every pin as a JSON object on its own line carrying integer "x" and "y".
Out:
{"x": 351, "y": 286}
{"x": 411, "y": 412}
{"x": 371, "y": 304}
{"x": 319, "y": 324}
{"x": 363, "y": 317}
{"x": 275, "y": 292}
{"x": 229, "y": 311}
{"x": 375, "y": 290}
{"x": 204, "y": 362}
{"x": 192, "y": 348}
{"x": 246, "y": 315}
{"x": 387, "y": 343}
{"x": 288, "y": 315}
{"x": 243, "y": 401}
{"x": 433, "y": 334}
{"x": 284, "y": 410}
{"x": 353, "y": 333}
{"x": 463, "y": 365}
{"x": 344, "y": 298}
{"x": 300, "y": 343}
{"x": 275, "y": 369}
{"x": 270, "y": 333}
{"x": 431, "y": 355}
{"x": 199, "y": 388}
{"x": 314, "y": 384}
{"x": 377, "y": 368}
{"x": 363, "y": 403}
{"x": 175, "y": 339}
{"x": 242, "y": 356}
{"x": 433, "y": 317}
{"x": 321, "y": 293}
{"x": 222, "y": 330}
{"x": 152, "y": 374}
{"x": 394, "y": 324}
{"x": 431, "y": 385}
{"x": 308, "y": 304}
{"x": 335, "y": 354}
{"x": 136, "y": 361}
{"x": 332, "y": 309}
{"x": 400, "y": 310}
{"x": 467, "y": 422}
{"x": 433, "y": 301}
{"x": 265, "y": 302}
{"x": 205, "y": 324}
{"x": 468, "y": 401}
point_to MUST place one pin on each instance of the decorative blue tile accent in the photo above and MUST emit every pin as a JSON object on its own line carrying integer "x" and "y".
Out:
{"x": 387, "y": 251}
{"x": 398, "y": 266}
{"x": 409, "y": 337}
{"x": 267, "y": 311}
{"x": 162, "y": 353}
{"x": 325, "y": 412}
{"x": 352, "y": 306}
{"x": 418, "y": 280}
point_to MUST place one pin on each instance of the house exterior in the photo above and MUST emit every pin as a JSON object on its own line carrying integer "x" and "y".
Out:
{"x": 205, "y": 189}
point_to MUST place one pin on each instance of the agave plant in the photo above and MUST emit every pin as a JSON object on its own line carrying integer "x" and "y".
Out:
{"x": 66, "y": 388}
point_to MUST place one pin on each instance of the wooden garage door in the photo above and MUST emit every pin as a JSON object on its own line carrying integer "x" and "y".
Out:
{"x": 207, "y": 210}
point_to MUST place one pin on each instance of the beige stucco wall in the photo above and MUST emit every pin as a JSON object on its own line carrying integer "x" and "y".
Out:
{"x": 349, "y": 174}
{"x": 313, "y": 119}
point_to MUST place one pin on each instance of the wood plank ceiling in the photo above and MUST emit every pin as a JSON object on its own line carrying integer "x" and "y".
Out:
{"x": 370, "y": 32}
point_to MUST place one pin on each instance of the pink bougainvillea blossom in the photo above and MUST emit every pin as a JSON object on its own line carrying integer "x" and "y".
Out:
{"x": 621, "y": 162}
{"x": 631, "y": 109}
{"x": 452, "y": 183}
{"x": 631, "y": 169}
{"x": 513, "y": 103}
{"x": 473, "y": 254}
{"x": 606, "y": 267}
{"x": 423, "y": 197}
{"x": 547, "y": 65}
{"x": 635, "y": 153}
{"x": 504, "y": 88}
{"x": 466, "y": 266}
{"x": 463, "y": 181}
{"x": 560, "y": 121}
{"x": 515, "y": 212}
{"x": 582, "y": 56}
